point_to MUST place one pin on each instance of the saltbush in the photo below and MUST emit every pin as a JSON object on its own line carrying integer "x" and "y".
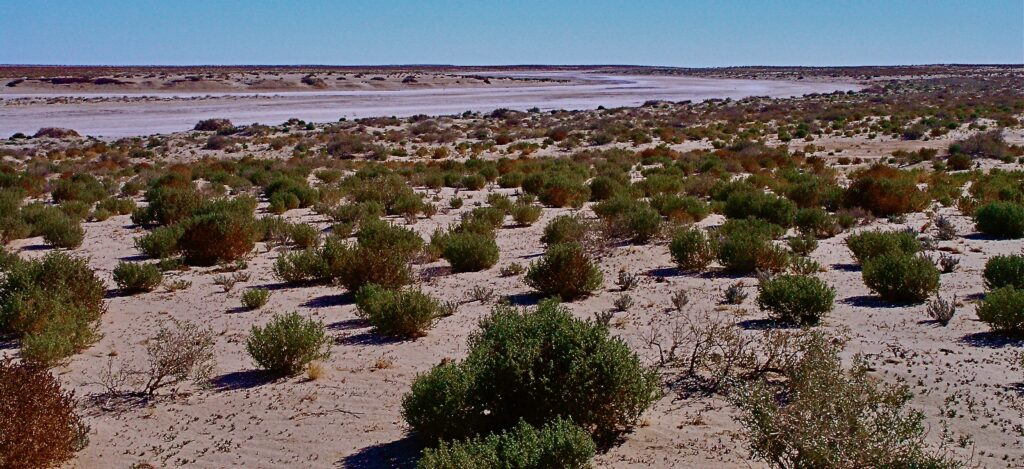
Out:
{"x": 533, "y": 366}
{"x": 564, "y": 229}
{"x": 525, "y": 215}
{"x": 800, "y": 300}
{"x": 901, "y": 278}
{"x": 868, "y": 245}
{"x": 220, "y": 236}
{"x": 470, "y": 252}
{"x": 63, "y": 232}
{"x": 1001, "y": 271}
{"x": 397, "y": 313}
{"x": 288, "y": 343}
{"x": 255, "y": 298}
{"x": 885, "y": 191}
{"x": 1003, "y": 220}
{"x": 565, "y": 271}
{"x": 1003, "y": 310}
{"x": 160, "y": 243}
{"x": 746, "y": 247}
{"x": 691, "y": 249}
{"x": 132, "y": 277}
{"x": 558, "y": 444}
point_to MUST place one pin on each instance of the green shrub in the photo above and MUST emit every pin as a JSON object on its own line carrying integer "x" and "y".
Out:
{"x": 816, "y": 222}
{"x": 75, "y": 210}
{"x": 680, "y": 209}
{"x": 220, "y": 236}
{"x": 691, "y": 249}
{"x": 510, "y": 180}
{"x": 160, "y": 243}
{"x": 604, "y": 188}
{"x": 470, "y": 252}
{"x": 534, "y": 366}
{"x": 565, "y": 229}
{"x": 52, "y": 304}
{"x": 565, "y": 271}
{"x": 901, "y": 278}
{"x": 288, "y": 343}
{"x": 642, "y": 224}
{"x": 801, "y": 300}
{"x": 474, "y": 182}
{"x": 307, "y": 265}
{"x": 168, "y": 205}
{"x": 868, "y": 245}
{"x": 493, "y": 216}
{"x": 802, "y": 245}
{"x": 1003, "y": 220}
{"x": 1001, "y": 271}
{"x": 746, "y": 247}
{"x": 255, "y": 298}
{"x": 304, "y": 235}
{"x": 63, "y": 232}
{"x": 824, "y": 416}
{"x": 380, "y": 235}
{"x": 1003, "y": 310}
{"x": 886, "y": 191}
{"x": 397, "y": 313}
{"x": 768, "y": 207}
{"x": 563, "y": 191}
{"x": 80, "y": 187}
{"x": 360, "y": 265}
{"x": 558, "y": 444}
{"x": 525, "y": 215}
{"x": 132, "y": 277}
{"x": 39, "y": 421}
{"x": 120, "y": 206}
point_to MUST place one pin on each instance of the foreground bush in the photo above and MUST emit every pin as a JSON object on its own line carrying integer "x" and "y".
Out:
{"x": 691, "y": 249}
{"x": 533, "y": 366}
{"x": 901, "y": 278}
{"x": 1001, "y": 271}
{"x": 39, "y": 426}
{"x": 62, "y": 232}
{"x": 397, "y": 313}
{"x": 132, "y": 277}
{"x": 559, "y": 444}
{"x": 564, "y": 229}
{"x": 160, "y": 243}
{"x": 868, "y": 245}
{"x": 828, "y": 417}
{"x": 52, "y": 304}
{"x": 1003, "y": 220}
{"x": 800, "y": 300}
{"x": 287, "y": 344}
{"x": 1003, "y": 310}
{"x": 565, "y": 271}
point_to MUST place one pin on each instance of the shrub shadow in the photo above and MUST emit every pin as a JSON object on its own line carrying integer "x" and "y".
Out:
{"x": 278, "y": 286}
{"x": 246, "y": 379}
{"x": 869, "y": 301}
{"x": 978, "y": 236}
{"x": 764, "y": 324}
{"x": 328, "y": 301}
{"x": 348, "y": 324}
{"x": 992, "y": 339}
{"x": 846, "y": 267}
{"x": 134, "y": 258}
{"x": 367, "y": 338}
{"x": 401, "y": 454}
{"x": 665, "y": 272}
{"x": 8, "y": 342}
{"x": 524, "y": 299}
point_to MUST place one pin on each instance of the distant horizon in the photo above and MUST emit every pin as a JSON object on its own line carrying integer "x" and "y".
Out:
{"x": 662, "y": 33}
{"x": 516, "y": 65}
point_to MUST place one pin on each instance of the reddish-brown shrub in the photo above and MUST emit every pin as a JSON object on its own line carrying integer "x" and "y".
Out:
{"x": 885, "y": 190}
{"x": 38, "y": 424}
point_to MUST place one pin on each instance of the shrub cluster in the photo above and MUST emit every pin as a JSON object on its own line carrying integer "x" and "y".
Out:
{"x": 691, "y": 249}
{"x": 397, "y": 313}
{"x": 1003, "y": 220}
{"x": 800, "y": 300}
{"x": 288, "y": 343}
{"x": 901, "y": 278}
{"x": 532, "y": 366}
{"x": 885, "y": 191}
{"x": 745, "y": 246}
{"x": 868, "y": 245}
{"x": 565, "y": 229}
{"x": 1001, "y": 271}
{"x": 133, "y": 277}
{"x": 558, "y": 444}
{"x": 1003, "y": 310}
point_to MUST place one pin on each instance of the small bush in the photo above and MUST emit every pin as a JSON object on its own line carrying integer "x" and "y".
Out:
{"x": 868, "y": 245}
{"x": 816, "y": 222}
{"x": 134, "y": 278}
{"x": 160, "y": 243}
{"x": 768, "y": 207}
{"x": 397, "y": 313}
{"x": 746, "y": 247}
{"x": 691, "y": 249}
{"x": 901, "y": 278}
{"x": 525, "y": 215}
{"x": 564, "y": 229}
{"x": 1001, "y": 271}
{"x": 288, "y": 343}
{"x": 1003, "y": 310}
{"x": 223, "y": 236}
{"x": 565, "y": 271}
{"x": 470, "y": 252}
{"x": 534, "y": 366}
{"x": 380, "y": 235}
{"x": 802, "y": 245}
{"x": 559, "y": 444}
{"x": 39, "y": 423}
{"x": 886, "y": 191}
{"x": 307, "y": 265}
{"x": 1004, "y": 220}
{"x": 356, "y": 266}
{"x": 304, "y": 235}
{"x": 62, "y": 232}
{"x": 796, "y": 299}
{"x": 255, "y": 298}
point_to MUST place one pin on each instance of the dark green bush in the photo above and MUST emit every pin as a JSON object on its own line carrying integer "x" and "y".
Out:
{"x": 768, "y": 207}
{"x": 534, "y": 366}
{"x": 800, "y": 300}
{"x": 691, "y": 249}
{"x": 397, "y": 313}
{"x": 901, "y": 278}
{"x": 1001, "y": 271}
{"x": 133, "y": 277}
{"x": 380, "y": 235}
{"x": 868, "y": 245}
{"x": 80, "y": 187}
{"x": 470, "y": 252}
{"x": 359, "y": 265}
{"x": 565, "y": 271}
{"x": 746, "y": 247}
{"x": 565, "y": 229}
{"x": 816, "y": 222}
{"x": 802, "y": 245}
{"x": 1003, "y": 220}
{"x": 680, "y": 209}
{"x": 255, "y": 298}
{"x": 62, "y": 232}
{"x": 160, "y": 243}
{"x": 558, "y": 444}
{"x": 1003, "y": 310}
{"x": 525, "y": 215}
{"x": 307, "y": 265}
{"x": 288, "y": 343}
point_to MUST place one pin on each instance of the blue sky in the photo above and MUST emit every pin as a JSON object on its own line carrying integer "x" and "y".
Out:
{"x": 675, "y": 33}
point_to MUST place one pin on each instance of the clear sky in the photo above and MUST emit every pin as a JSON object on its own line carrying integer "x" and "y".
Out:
{"x": 675, "y": 33}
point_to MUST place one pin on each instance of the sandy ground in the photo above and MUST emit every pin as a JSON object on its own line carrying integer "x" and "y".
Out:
{"x": 112, "y": 116}
{"x": 351, "y": 417}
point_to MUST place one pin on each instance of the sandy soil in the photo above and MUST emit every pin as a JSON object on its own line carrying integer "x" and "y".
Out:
{"x": 112, "y": 115}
